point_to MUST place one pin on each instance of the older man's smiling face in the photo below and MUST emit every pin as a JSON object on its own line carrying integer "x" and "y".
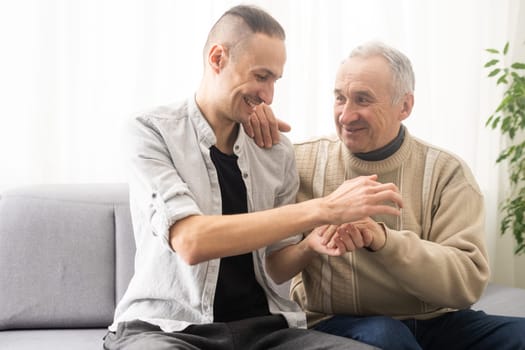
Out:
{"x": 365, "y": 117}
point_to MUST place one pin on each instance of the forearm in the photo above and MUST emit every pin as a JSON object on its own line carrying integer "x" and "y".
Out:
{"x": 282, "y": 265}
{"x": 451, "y": 274}
{"x": 201, "y": 238}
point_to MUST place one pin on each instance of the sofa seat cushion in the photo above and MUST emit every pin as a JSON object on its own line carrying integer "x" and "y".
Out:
{"x": 53, "y": 339}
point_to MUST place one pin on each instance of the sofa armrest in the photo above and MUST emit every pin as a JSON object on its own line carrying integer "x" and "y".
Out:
{"x": 502, "y": 300}
{"x": 58, "y": 255}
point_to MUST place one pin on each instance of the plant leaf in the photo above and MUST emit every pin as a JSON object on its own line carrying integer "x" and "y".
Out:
{"x": 518, "y": 65}
{"x": 494, "y": 72}
{"x": 506, "y": 48}
{"x": 502, "y": 79}
{"x": 491, "y": 63}
{"x": 492, "y": 50}
{"x": 495, "y": 122}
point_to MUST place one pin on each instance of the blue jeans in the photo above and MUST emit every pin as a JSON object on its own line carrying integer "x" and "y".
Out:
{"x": 463, "y": 329}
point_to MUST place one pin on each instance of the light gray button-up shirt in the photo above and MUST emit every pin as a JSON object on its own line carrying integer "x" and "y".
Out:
{"x": 172, "y": 177}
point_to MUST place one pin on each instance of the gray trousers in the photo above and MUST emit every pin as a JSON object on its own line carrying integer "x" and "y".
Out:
{"x": 259, "y": 333}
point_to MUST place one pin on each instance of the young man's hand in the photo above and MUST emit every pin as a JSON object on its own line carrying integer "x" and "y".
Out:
{"x": 361, "y": 197}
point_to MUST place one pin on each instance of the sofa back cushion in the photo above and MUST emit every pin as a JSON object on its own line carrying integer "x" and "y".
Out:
{"x": 58, "y": 258}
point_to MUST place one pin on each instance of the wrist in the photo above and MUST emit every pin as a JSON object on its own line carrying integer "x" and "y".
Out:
{"x": 379, "y": 240}
{"x": 322, "y": 212}
{"x": 306, "y": 248}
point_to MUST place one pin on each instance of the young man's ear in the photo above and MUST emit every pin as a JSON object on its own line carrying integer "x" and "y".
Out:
{"x": 217, "y": 57}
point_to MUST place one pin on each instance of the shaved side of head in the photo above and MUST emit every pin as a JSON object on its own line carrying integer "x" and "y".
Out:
{"x": 238, "y": 24}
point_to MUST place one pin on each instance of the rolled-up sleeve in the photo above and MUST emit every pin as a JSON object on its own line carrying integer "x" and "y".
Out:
{"x": 156, "y": 187}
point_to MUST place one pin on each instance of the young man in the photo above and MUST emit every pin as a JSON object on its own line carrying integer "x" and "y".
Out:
{"x": 212, "y": 215}
{"x": 413, "y": 285}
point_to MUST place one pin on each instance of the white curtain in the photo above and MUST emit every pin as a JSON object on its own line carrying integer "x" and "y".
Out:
{"x": 72, "y": 71}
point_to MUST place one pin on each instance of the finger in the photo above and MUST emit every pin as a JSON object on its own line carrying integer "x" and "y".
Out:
{"x": 328, "y": 234}
{"x": 373, "y": 177}
{"x": 380, "y": 187}
{"x": 365, "y": 179}
{"x": 266, "y": 120}
{"x": 344, "y": 243}
{"x": 388, "y": 196}
{"x": 334, "y": 241}
{"x": 371, "y": 183}
{"x": 355, "y": 235}
{"x": 283, "y": 126}
{"x": 256, "y": 127}
{"x": 265, "y": 131}
{"x": 330, "y": 251}
{"x": 248, "y": 127}
{"x": 368, "y": 237}
{"x": 339, "y": 248}
{"x": 383, "y": 209}
{"x": 320, "y": 230}
{"x": 347, "y": 238}
{"x": 273, "y": 126}
{"x": 341, "y": 242}
{"x": 313, "y": 241}
{"x": 331, "y": 244}
{"x": 364, "y": 183}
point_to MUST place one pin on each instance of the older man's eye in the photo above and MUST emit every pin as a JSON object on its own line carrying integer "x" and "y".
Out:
{"x": 261, "y": 77}
{"x": 340, "y": 99}
{"x": 362, "y": 100}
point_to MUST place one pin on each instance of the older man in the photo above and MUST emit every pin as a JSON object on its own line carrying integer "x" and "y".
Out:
{"x": 410, "y": 280}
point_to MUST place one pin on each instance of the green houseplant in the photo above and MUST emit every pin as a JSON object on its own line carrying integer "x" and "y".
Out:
{"x": 509, "y": 118}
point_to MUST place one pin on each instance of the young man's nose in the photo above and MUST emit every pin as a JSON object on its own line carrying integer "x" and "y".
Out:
{"x": 266, "y": 94}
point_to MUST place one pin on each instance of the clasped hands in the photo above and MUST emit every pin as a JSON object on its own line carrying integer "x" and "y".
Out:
{"x": 335, "y": 240}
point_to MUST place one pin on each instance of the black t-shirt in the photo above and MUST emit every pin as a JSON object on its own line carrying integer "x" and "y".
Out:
{"x": 238, "y": 294}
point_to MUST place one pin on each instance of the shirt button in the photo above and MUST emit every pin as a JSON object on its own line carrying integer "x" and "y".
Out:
{"x": 153, "y": 195}
{"x": 245, "y": 175}
{"x": 237, "y": 147}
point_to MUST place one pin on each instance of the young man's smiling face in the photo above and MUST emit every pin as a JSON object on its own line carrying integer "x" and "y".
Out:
{"x": 249, "y": 77}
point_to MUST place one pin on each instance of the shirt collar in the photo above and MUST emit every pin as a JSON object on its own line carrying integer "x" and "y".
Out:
{"x": 205, "y": 132}
{"x": 385, "y": 151}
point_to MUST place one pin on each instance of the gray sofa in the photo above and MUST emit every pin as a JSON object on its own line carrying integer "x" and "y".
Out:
{"x": 66, "y": 256}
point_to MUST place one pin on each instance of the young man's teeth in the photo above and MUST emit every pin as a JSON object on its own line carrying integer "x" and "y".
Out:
{"x": 250, "y": 102}
{"x": 253, "y": 101}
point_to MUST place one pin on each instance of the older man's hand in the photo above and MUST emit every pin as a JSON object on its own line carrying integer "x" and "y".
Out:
{"x": 264, "y": 127}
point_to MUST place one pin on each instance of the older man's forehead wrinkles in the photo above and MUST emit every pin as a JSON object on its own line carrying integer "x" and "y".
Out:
{"x": 348, "y": 90}
{"x": 363, "y": 93}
